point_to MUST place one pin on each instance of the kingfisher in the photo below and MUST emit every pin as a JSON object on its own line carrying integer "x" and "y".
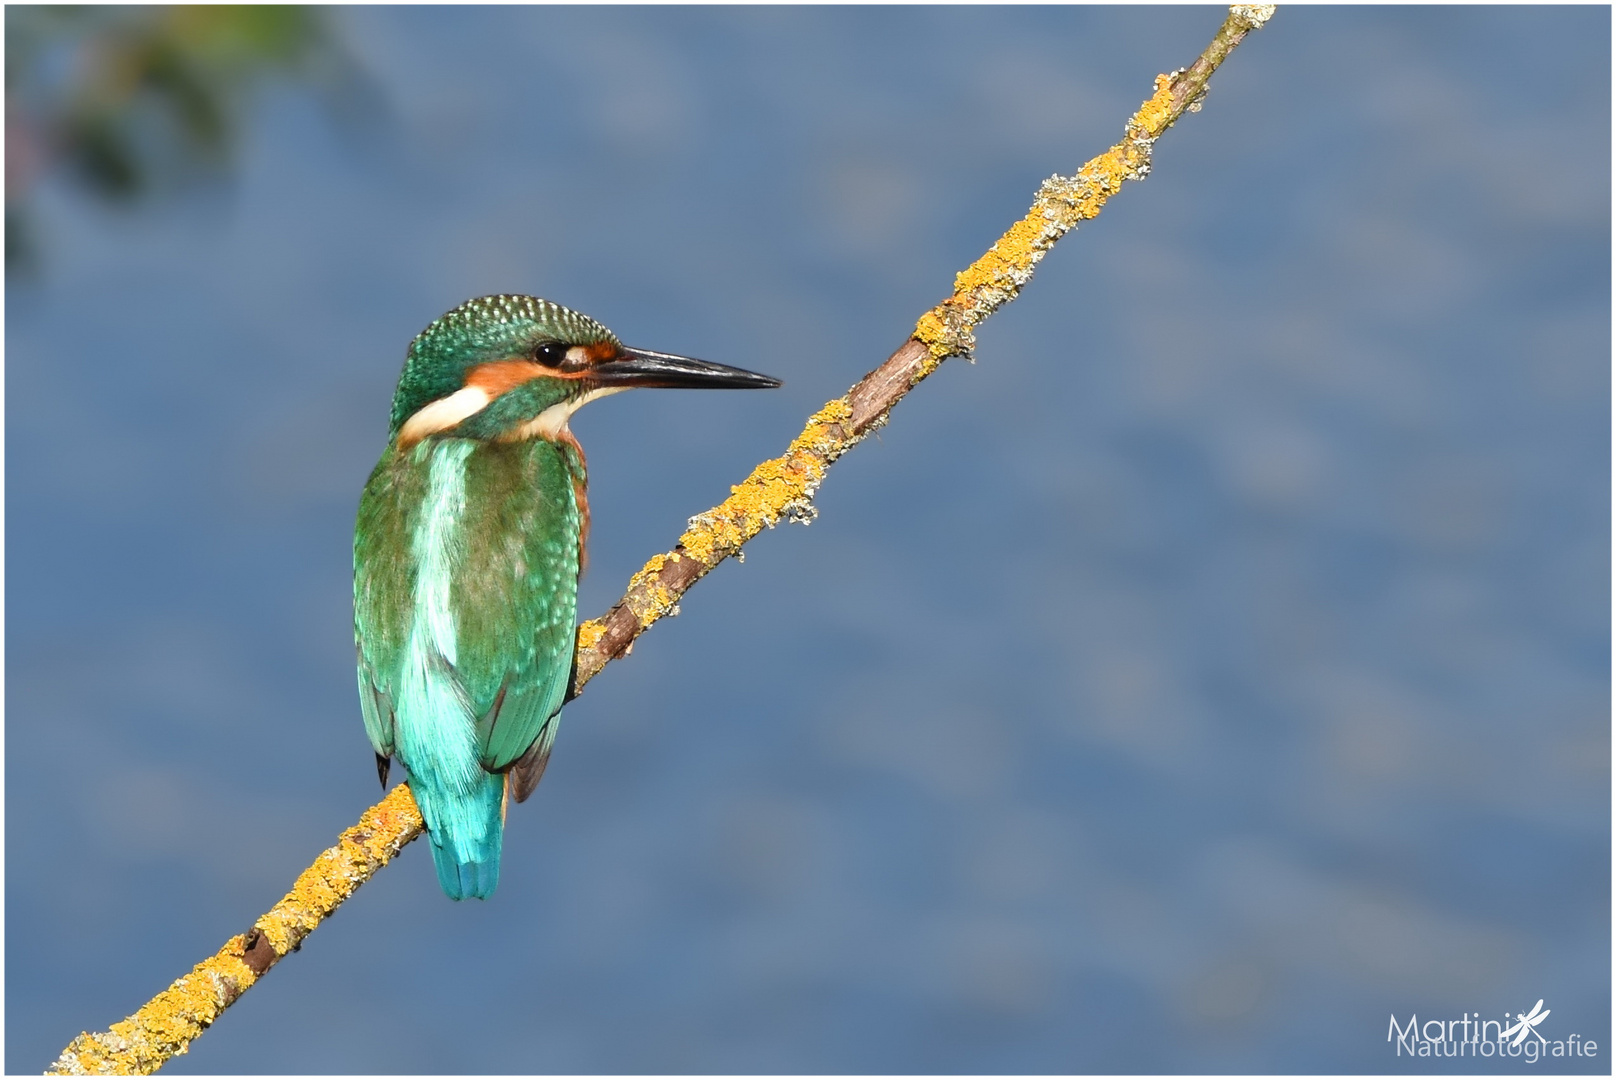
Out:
{"x": 469, "y": 541}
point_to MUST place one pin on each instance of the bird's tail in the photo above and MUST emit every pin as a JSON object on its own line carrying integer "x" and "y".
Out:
{"x": 466, "y": 828}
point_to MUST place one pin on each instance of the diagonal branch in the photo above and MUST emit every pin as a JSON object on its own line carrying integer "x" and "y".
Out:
{"x": 782, "y": 487}
{"x": 785, "y": 486}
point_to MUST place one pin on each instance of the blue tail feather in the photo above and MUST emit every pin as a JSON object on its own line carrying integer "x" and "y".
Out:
{"x": 466, "y": 830}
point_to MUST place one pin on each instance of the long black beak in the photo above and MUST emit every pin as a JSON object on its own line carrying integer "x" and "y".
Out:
{"x": 641, "y": 367}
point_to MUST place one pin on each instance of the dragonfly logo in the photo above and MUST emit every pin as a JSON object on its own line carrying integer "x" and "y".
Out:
{"x": 1526, "y": 1024}
{"x": 1471, "y": 1036}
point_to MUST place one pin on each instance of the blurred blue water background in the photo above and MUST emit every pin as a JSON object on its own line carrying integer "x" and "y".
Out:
{"x": 1216, "y": 668}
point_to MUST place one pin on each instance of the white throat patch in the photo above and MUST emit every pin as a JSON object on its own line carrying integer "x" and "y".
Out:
{"x": 552, "y": 422}
{"x": 443, "y": 414}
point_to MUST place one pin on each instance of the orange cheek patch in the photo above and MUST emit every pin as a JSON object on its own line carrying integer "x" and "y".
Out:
{"x": 601, "y": 350}
{"x": 502, "y": 375}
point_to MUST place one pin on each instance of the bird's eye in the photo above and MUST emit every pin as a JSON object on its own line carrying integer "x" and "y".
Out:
{"x": 551, "y": 354}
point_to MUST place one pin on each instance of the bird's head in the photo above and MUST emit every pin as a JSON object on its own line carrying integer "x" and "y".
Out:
{"x": 516, "y": 367}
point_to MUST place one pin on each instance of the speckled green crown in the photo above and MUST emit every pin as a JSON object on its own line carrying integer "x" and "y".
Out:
{"x": 480, "y": 331}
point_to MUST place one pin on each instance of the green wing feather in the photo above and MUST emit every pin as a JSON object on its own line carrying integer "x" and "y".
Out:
{"x": 513, "y": 590}
{"x": 384, "y": 579}
{"x": 516, "y": 594}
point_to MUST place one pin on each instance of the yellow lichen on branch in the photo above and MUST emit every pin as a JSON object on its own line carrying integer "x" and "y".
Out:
{"x": 781, "y": 487}
{"x": 166, "y": 1025}
{"x": 1063, "y": 201}
{"x": 648, "y": 598}
{"x": 358, "y": 854}
{"x": 778, "y": 487}
{"x": 590, "y": 633}
{"x": 785, "y": 486}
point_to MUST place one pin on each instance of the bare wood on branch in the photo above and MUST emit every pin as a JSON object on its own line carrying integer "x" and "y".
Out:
{"x": 781, "y": 487}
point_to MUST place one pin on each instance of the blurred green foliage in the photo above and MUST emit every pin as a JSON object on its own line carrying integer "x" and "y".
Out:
{"x": 129, "y": 102}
